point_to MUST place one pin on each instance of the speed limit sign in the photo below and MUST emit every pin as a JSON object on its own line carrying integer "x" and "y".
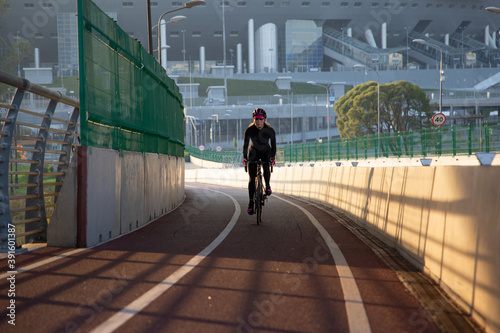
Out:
{"x": 438, "y": 119}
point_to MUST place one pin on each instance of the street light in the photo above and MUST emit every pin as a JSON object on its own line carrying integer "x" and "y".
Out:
{"x": 172, "y": 20}
{"x": 423, "y": 42}
{"x": 495, "y": 10}
{"x": 327, "y": 112}
{"x": 162, "y": 31}
{"x": 224, "y": 49}
{"x": 227, "y": 126}
{"x": 291, "y": 115}
{"x": 407, "y": 49}
{"x": 184, "y": 49}
{"x": 189, "y": 4}
{"x": 217, "y": 117}
{"x": 359, "y": 66}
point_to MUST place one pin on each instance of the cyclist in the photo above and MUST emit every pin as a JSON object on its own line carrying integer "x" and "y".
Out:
{"x": 259, "y": 133}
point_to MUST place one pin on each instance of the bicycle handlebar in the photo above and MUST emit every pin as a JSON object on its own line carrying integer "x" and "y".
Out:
{"x": 259, "y": 162}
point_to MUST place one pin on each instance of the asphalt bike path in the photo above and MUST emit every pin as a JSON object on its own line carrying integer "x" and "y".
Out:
{"x": 207, "y": 267}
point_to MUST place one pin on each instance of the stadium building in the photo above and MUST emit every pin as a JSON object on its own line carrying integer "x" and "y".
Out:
{"x": 275, "y": 36}
{"x": 317, "y": 40}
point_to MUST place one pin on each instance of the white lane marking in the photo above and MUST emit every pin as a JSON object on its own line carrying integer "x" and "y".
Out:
{"x": 140, "y": 303}
{"x": 355, "y": 308}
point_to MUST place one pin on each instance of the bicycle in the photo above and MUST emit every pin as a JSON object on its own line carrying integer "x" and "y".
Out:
{"x": 259, "y": 197}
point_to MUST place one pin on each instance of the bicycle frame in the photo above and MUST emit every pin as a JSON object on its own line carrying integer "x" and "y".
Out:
{"x": 259, "y": 195}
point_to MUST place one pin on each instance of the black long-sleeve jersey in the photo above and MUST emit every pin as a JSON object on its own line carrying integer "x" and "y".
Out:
{"x": 259, "y": 140}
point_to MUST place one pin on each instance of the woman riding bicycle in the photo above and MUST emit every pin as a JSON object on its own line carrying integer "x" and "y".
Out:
{"x": 259, "y": 133}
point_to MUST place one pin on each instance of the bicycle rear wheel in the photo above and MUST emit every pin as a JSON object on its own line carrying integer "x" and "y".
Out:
{"x": 258, "y": 201}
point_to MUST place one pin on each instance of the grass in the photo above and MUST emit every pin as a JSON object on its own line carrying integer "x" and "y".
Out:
{"x": 249, "y": 87}
{"x": 234, "y": 87}
{"x": 71, "y": 83}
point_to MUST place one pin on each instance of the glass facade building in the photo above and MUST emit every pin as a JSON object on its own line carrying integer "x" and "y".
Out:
{"x": 67, "y": 42}
{"x": 303, "y": 46}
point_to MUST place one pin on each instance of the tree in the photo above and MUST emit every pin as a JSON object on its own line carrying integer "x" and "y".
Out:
{"x": 403, "y": 106}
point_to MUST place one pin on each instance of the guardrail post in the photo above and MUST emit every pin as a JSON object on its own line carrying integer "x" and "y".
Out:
{"x": 454, "y": 140}
{"x": 424, "y": 142}
{"x": 338, "y": 149}
{"x": 469, "y": 143}
{"x": 347, "y": 148}
{"x": 440, "y": 141}
{"x": 366, "y": 147}
{"x": 398, "y": 136}
{"x": 486, "y": 137}
{"x": 39, "y": 157}
{"x": 356, "y": 143}
{"x": 5, "y": 145}
{"x": 386, "y": 150}
{"x": 411, "y": 144}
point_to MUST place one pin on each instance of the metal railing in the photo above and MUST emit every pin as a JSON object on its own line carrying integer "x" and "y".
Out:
{"x": 34, "y": 158}
{"x": 438, "y": 141}
{"x": 441, "y": 141}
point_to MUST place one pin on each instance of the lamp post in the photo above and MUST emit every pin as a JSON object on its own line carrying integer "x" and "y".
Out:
{"x": 162, "y": 31}
{"x": 216, "y": 117}
{"x": 224, "y": 49}
{"x": 184, "y": 49}
{"x": 327, "y": 112}
{"x": 189, "y": 4}
{"x": 279, "y": 115}
{"x": 462, "y": 55}
{"x": 423, "y": 42}
{"x": 359, "y": 66}
{"x": 407, "y": 49}
{"x": 227, "y": 126}
{"x": 192, "y": 118}
{"x": 148, "y": 21}
{"x": 18, "y": 57}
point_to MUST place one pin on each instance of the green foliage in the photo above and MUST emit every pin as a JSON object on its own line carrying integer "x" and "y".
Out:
{"x": 403, "y": 106}
{"x": 4, "y": 9}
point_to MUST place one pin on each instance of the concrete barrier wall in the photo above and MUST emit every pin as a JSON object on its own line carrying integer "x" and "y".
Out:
{"x": 103, "y": 195}
{"x": 132, "y": 191}
{"x": 444, "y": 219}
{"x": 123, "y": 191}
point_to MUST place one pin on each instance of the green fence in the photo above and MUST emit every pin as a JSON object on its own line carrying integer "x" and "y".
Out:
{"x": 450, "y": 141}
{"x": 127, "y": 101}
{"x": 454, "y": 140}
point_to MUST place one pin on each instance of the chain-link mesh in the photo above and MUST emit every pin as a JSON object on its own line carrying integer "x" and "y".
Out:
{"x": 127, "y": 100}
